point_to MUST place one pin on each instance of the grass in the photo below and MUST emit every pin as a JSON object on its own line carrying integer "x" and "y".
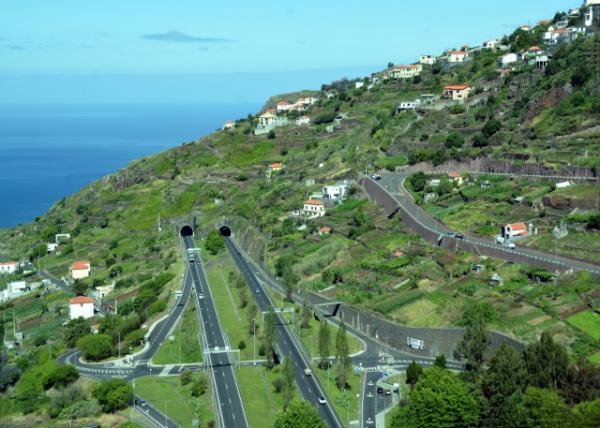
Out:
{"x": 185, "y": 346}
{"x": 168, "y": 396}
{"x": 260, "y": 400}
{"x": 588, "y": 322}
{"x": 595, "y": 358}
{"x": 310, "y": 338}
{"x": 344, "y": 401}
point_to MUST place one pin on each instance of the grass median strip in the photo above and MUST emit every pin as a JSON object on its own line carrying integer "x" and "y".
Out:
{"x": 185, "y": 346}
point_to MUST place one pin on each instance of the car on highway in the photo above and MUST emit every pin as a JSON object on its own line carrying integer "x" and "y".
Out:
{"x": 376, "y": 177}
{"x": 371, "y": 383}
{"x": 307, "y": 372}
{"x": 510, "y": 245}
{"x": 322, "y": 400}
{"x": 200, "y": 296}
{"x": 379, "y": 390}
{"x": 454, "y": 235}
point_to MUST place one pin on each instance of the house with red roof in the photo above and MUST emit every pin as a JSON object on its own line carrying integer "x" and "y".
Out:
{"x": 81, "y": 307}
{"x": 277, "y": 166}
{"x": 513, "y": 230}
{"x": 534, "y": 51}
{"x": 455, "y": 177}
{"x": 313, "y": 208}
{"x": 457, "y": 57}
{"x": 8, "y": 267}
{"x": 457, "y": 92}
{"x": 404, "y": 71}
{"x": 80, "y": 269}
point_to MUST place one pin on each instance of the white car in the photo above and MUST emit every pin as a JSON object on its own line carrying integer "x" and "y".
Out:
{"x": 322, "y": 400}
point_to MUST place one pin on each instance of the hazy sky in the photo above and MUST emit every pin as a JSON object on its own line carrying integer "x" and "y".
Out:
{"x": 158, "y": 37}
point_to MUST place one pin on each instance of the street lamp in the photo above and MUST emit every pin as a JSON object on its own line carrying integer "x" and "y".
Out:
{"x": 166, "y": 420}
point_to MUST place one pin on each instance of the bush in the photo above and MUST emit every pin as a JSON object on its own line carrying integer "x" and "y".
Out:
{"x": 81, "y": 409}
{"x": 480, "y": 140}
{"x": 454, "y": 141}
{"x": 278, "y": 385}
{"x": 491, "y": 127}
{"x": 95, "y": 347}
{"x": 113, "y": 395}
{"x": 200, "y": 385}
{"x": 325, "y": 117}
{"x": 61, "y": 377}
{"x": 185, "y": 376}
{"x": 242, "y": 345}
{"x": 214, "y": 242}
{"x": 271, "y": 135}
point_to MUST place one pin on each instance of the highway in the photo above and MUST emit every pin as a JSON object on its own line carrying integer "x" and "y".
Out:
{"x": 287, "y": 346}
{"x": 390, "y": 193}
{"x": 220, "y": 362}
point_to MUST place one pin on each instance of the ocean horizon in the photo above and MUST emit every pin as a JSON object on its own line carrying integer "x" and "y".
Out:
{"x": 50, "y": 151}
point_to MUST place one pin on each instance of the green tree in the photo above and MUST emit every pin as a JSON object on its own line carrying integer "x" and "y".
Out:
{"x": 289, "y": 383}
{"x": 299, "y": 414}
{"x": 491, "y": 127}
{"x": 413, "y": 373}
{"x": 505, "y": 375}
{"x": 587, "y": 414}
{"x": 199, "y": 384}
{"x": 454, "y": 140}
{"x": 289, "y": 282}
{"x": 185, "y": 376}
{"x": 546, "y": 362}
{"x": 270, "y": 337}
{"x": 113, "y": 395}
{"x": 74, "y": 330}
{"x": 343, "y": 361}
{"x": 251, "y": 313}
{"x": 545, "y": 409}
{"x": 61, "y": 376}
{"x": 418, "y": 181}
{"x": 305, "y": 313}
{"x": 473, "y": 346}
{"x": 324, "y": 340}
{"x": 95, "y": 347}
{"x": 214, "y": 242}
{"x": 582, "y": 382}
{"x": 440, "y": 399}
{"x": 440, "y": 361}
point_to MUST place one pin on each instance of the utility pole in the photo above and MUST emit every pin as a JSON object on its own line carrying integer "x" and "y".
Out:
{"x": 254, "y": 339}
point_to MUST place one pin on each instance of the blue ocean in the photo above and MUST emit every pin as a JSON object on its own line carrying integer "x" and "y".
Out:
{"x": 50, "y": 151}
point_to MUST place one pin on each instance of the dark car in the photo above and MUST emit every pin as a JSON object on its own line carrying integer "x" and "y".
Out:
{"x": 455, "y": 235}
{"x": 379, "y": 390}
{"x": 376, "y": 177}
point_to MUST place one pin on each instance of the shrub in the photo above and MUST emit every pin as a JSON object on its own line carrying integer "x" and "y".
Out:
{"x": 325, "y": 117}
{"x": 278, "y": 385}
{"x": 454, "y": 140}
{"x": 113, "y": 395}
{"x": 491, "y": 127}
{"x": 61, "y": 377}
{"x": 95, "y": 347}
{"x": 480, "y": 140}
{"x": 200, "y": 385}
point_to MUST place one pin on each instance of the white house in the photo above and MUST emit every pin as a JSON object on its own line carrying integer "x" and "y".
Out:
{"x": 405, "y": 71}
{"x": 534, "y": 51}
{"x": 508, "y": 59}
{"x": 314, "y": 208}
{"x": 563, "y": 184}
{"x": 336, "y": 192}
{"x": 457, "y": 92}
{"x": 434, "y": 182}
{"x": 408, "y": 105}
{"x": 104, "y": 290}
{"x": 514, "y": 230}
{"x": 358, "y": 85}
{"x": 80, "y": 269}
{"x": 540, "y": 61}
{"x": 8, "y": 267}
{"x": 309, "y": 100}
{"x": 592, "y": 16}
{"x": 269, "y": 120}
{"x": 275, "y": 167}
{"x": 427, "y": 60}
{"x": 81, "y": 306}
{"x": 456, "y": 57}
{"x": 229, "y": 125}
{"x": 51, "y": 247}
{"x": 491, "y": 44}
{"x": 555, "y": 36}
{"x": 303, "y": 120}
{"x": 455, "y": 177}
{"x": 283, "y": 106}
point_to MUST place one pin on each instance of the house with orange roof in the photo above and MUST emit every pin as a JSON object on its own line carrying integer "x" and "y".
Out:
{"x": 277, "y": 166}
{"x": 8, "y": 267}
{"x": 80, "y": 269}
{"x": 324, "y": 230}
{"x": 404, "y": 71}
{"x": 313, "y": 208}
{"x": 457, "y": 57}
{"x": 457, "y": 92}
{"x": 534, "y": 51}
{"x": 455, "y": 177}
{"x": 81, "y": 307}
{"x": 513, "y": 230}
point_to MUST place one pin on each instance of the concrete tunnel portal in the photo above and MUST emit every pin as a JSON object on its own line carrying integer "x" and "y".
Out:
{"x": 186, "y": 230}
{"x": 225, "y": 231}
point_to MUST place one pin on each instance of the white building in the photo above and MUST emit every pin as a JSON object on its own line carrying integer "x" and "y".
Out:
{"x": 563, "y": 184}
{"x": 17, "y": 287}
{"x": 457, "y": 92}
{"x": 457, "y": 57}
{"x": 514, "y": 230}
{"x": 313, "y": 208}
{"x": 80, "y": 269}
{"x": 229, "y": 125}
{"x": 269, "y": 120}
{"x": 8, "y": 267}
{"x": 308, "y": 101}
{"x": 358, "y": 85}
{"x": 408, "y": 105}
{"x": 508, "y": 59}
{"x": 303, "y": 120}
{"x": 405, "y": 71}
{"x": 491, "y": 44}
{"x": 592, "y": 16}
{"x": 336, "y": 192}
{"x": 81, "y": 306}
{"x": 427, "y": 60}
{"x": 51, "y": 247}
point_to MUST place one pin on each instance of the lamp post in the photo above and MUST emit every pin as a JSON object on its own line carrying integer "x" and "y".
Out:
{"x": 166, "y": 420}
{"x": 254, "y": 338}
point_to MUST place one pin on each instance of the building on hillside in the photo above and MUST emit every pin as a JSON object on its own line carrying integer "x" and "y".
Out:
{"x": 491, "y": 44}
{"x": 404, "y": 71}
{"x": 458, "y": 57}
{"x": 510, "y": 58}
{"x": 8, "y": 267}
{"x": 555, "y": 36}
{"x": 592, "y": 15}
{"x": 534, "y": 51}
{"x": 102, "y": 291}
{"x": 81, "y": 307}
{"x": 514, "y": 230}
{"x": 457, "y": 92}
{"x": 337, "y": 192}
{"x": 283, "y": 106}
{"x": 324, "y": 230}
{"x": 408, "y": 105}
{"x": 428, "y": 98}
{"x": 455, "y": 177}
{"x": 313, "y": 208}
{"x": 269, "y": 120}
{"x": 309, "y": 100}
{"x": 229, "y": 125}
{"x": 51, "y": 247}
{"x": 80, "y": 269}
{"x": 359, "y": 84}
{"x": 525, "y": 27}
{"x": 563, "y": 184}
{"x": 303, "y": 120}
{"x": 275, "y": 167}
{"x": 427, "y": 60}
{"x": 540, "y": 61}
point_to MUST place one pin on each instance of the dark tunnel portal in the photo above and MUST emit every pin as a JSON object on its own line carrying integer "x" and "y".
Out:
{"x": 225, "y": 231}
{"x": 186, "y": 231}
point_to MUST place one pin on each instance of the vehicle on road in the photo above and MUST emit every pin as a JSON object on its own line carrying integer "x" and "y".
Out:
{"x": 371, "y": 383}
{"x": 201, "y": 296}
{"x": 454, "y": 235}
{"x": 307, "y": 372}
{"x": 510, "y": 245}
{"x": 379, "y": 390}
{"x": 322, "y": 400}
{"x": 376, "y": 177}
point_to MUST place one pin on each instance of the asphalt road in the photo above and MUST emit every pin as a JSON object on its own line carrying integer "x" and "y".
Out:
{"x": 229, "y": 400}
{"x": 309, "y": 386}
{"x": 392, "y": 185}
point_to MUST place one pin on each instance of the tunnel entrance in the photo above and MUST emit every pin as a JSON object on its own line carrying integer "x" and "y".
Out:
{"x": 225, "y": 231}
{"x": 186, "y": 231}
